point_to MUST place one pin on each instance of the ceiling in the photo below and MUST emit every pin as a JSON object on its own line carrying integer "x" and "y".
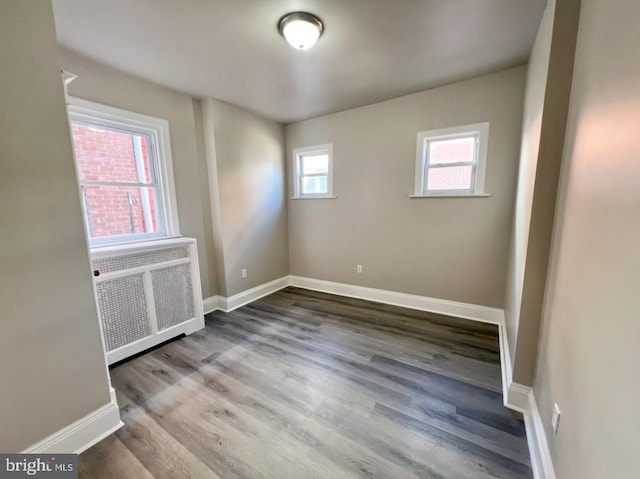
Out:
{"x": 371, "y": 50}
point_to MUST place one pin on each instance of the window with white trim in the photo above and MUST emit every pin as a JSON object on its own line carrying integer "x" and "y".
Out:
{"x": 123, "y": 161}
{"x": 313, "y": 172}
{"x": 452, "y": 161}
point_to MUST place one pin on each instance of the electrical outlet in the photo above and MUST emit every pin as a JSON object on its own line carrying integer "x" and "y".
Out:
{"x": 244, "y": 273}
{"x": 358, "y": 268}
{"x": 555, "y": 418}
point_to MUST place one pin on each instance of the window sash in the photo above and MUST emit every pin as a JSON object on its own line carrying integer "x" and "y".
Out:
{"x": 314, "y": 175}
{"x": 158, "y": 171}
{"x": 471, "y": 189}
{"x": 304, "y": 156}
{"x": 479, "y": 132}
{"x": 158, "y": 214}
{"x": 98, "y": 241}
{"x": 154, "y": 216}
{"x": 96, "y": 122}
{"x": 432, "y": 166}
{"x": 299, "y": 156}
{"x": 118, "y": 183}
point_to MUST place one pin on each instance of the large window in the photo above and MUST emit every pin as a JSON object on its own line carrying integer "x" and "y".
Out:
{"x": 313, "y": 172}
{"x": 451, "y": 161}
{"x": 124, "y": 168}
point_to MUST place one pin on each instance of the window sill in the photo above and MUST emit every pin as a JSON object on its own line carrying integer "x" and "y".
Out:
{"x": 139, "y": 243}
{"x": 420, "y": 197}
{"x": 313, "y": 197}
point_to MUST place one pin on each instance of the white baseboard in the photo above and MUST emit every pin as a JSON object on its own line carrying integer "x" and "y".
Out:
{"x": 211, "y": 304}
{"x": 541, "y": 462}
{"x": 434, "y": 305}
{"x": 517, "y": 397}
{"x": 521, "y": 398}
{"x": 82, "y": 434}
{"x": 412, "y": 301}
{"x": 245, "y": 297}
{"x": 505, "y": 361}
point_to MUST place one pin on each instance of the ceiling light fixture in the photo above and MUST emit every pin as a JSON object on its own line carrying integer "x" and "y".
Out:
{"x": 301, "y": 29}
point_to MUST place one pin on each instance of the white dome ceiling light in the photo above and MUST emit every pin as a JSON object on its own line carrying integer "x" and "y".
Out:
{"x": 301, "y": 29}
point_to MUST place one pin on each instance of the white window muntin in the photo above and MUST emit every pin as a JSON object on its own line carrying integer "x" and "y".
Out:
{"x": 156, "y": 130}
{"x": 299, "y": 176}
{"x": 478, "y": 130}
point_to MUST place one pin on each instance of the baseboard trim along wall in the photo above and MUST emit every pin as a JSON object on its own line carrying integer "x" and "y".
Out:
{"x": 412, "y": 301}
{"x": 246, "y": 297}
{"x": 521, "y": 398}
{"x": 211, "y": 304}
{"x": 517, "y": 397}
{"x": 220, "y": 303}
{"x": 82, "y": 434}
{"x": 541, "y": 462}
{"x": 505, "y": 362}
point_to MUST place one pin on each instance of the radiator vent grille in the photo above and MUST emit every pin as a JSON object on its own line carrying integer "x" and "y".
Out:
{"x": 173, "y": 294}
{"x": 147, "y": 293}
{"x": 123, "y": 310}
{"x": 141, "y": 258}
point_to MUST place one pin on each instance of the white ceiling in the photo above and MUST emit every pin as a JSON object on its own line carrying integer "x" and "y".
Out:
{"x": 371, "y": 50}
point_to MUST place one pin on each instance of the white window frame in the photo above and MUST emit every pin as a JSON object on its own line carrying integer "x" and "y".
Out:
{"x": 480, "y": 131}
{"x": 85, "y": 111}
{"x": 298, "y": 154}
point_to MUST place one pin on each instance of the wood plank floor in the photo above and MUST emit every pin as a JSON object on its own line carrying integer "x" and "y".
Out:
{"x": 303, "y": 384}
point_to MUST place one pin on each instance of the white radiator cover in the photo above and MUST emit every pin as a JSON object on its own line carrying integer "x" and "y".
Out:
{"x": 147, "y": 293}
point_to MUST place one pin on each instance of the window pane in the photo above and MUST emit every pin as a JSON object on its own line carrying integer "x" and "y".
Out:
{"x": 109, "y": 155}
{"x": 450, "y": 178}
{"x": 452, "y": 151}
{"x": 314, "y": 164}
{"x": 314, "y": 185}
{"x": 119, "y": 210}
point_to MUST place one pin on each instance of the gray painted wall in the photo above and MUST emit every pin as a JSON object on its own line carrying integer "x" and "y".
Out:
{"x": 102, "y": 84}
{"x": 52, "y": 364}
{"x": 546, "y": 107}
{"x": 536, "y": 85}
{"x": 447, "y": 248}
{"x": 214, "y": 256}
{"x": 589, "y": 353}
{"x": 250, "y": 210}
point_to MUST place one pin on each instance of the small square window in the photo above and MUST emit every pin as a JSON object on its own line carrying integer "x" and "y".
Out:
{"x": 313, "y": 172}
{"x": 451, "y": 161}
